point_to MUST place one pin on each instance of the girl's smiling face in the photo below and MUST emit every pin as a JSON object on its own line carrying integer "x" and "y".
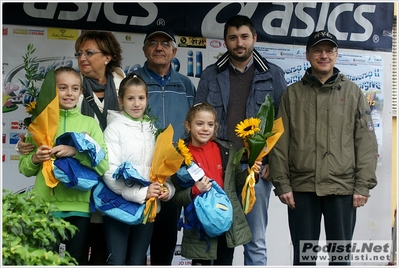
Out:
{"x": 69, "y": 89}
{"x": 134, "y": 101}
{"x": 201, "y": 127}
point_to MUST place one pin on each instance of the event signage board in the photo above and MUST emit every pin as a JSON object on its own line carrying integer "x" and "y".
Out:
{"x": 278, "y": 22}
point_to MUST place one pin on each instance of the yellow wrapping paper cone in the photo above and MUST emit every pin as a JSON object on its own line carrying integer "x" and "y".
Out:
{"x": 248, "y": 191}
{"x": 165, "y": 163}
{"x": 43, "y": 130}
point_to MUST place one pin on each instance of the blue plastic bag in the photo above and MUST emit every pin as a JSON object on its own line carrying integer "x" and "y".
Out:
{"x": 69, "y": 171}
{"x": 74, "y": 175}
{"x": 214, "y": 211}
{"x": 129, "y": 174}
{"x": 115, "y": 206}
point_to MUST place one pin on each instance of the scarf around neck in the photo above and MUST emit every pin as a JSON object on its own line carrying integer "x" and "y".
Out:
{"x": 110, "y": 96}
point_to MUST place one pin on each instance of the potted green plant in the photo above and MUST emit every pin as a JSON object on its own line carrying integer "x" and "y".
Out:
{"x": 30, "y": 231}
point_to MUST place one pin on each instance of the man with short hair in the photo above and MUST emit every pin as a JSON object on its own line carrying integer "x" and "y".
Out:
{"x": 171, "y": 95}
{"x": 236, "y": 86}
{"x": 324, "y": 163}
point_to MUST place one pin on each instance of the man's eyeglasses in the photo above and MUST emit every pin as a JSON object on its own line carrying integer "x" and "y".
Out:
{"x": 88, "y": 53}
{"x": 329, "y": 51}
{"x": 154, "y": 43}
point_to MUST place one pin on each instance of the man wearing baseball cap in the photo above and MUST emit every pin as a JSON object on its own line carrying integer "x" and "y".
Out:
{"x": 324, "y": 163}
{"x": 171, "y": 95}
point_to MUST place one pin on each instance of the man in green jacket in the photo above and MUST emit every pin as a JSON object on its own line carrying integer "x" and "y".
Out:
{"x": 325, "y": 161}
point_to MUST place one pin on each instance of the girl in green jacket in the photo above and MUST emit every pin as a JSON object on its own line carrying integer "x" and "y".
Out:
{"x": 73, "y": 204}
{"x": 215, "y": 157}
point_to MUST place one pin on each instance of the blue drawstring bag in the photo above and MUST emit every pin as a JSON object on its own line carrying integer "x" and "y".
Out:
{"x": 129, "y": 174}
{"x": 210, "y": 212}
{"x": 114, "y": 205}
{"x": 214, "y": 210}
{"x": 69, "y": 170}
{"x": 117, "y": 207}
{"x": 74, "y": 175}
{"x": 83, "y": 143}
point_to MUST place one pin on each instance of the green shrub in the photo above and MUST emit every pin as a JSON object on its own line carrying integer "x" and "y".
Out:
{"x": 30, "y": 231}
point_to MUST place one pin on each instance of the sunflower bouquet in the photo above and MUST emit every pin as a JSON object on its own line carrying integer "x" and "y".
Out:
{"x": 259, "y": 135}
{"x": 189, "y": 173}
{"x": 165, "y": 163}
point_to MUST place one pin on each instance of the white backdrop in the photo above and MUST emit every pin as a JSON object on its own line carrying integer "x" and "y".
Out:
{"x": 371, "y": 70}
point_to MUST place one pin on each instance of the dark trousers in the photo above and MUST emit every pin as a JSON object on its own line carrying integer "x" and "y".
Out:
{"x": 75, "y": 246}
{"x": 224, "y": 254}
{"x": 96, "y": 252}
{"x": 164, "y": 236}
{"x": 126, "y": 244}
{"x": 304, "y": 221}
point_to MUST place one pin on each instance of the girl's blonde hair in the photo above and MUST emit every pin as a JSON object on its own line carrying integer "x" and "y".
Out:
{"x": 67, "y": 69}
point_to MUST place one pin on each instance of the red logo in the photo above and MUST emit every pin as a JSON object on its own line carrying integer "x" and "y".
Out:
{"x": 215, "y": 44}
{"x": 5, "y": 31}
{"x": 14, "y": 125}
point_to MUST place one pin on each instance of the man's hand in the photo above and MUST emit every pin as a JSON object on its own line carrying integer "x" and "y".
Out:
{"x": 288, "y": 199}
{"x": 359, "y": 200}
{"x": 266, "y": 172}
{"x": 24, "y": 147}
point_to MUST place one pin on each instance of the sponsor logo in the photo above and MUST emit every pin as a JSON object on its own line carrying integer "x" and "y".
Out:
{"x": 14, "y": 138}
{"x": 307, "y": 14}
{"x": 62, "y": 34}
{"x": 19, "y": 31}
{"x": 14, "y": 125}
{"x": 215, "y": 43}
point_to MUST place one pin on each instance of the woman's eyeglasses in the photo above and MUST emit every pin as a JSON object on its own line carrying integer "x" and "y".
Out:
{"x": 88, "y": 53}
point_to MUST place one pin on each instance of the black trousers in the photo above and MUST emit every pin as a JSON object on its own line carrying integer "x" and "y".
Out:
{"x": 164, "y": 236}
{"x": 76, "y": 245}
{"x": 304, "y": 221}
{"x": 224, "y": 254}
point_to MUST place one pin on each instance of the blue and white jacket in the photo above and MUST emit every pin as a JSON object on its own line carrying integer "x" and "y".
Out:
{"x": 170, "y": 103}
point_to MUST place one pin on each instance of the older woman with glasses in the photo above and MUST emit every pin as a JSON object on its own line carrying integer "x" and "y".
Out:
{"x": 99, "y": 58}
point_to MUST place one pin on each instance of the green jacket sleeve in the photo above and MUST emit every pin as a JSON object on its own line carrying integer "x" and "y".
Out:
{"x": 278, "y": 157}
{"x": 366, "y": 148}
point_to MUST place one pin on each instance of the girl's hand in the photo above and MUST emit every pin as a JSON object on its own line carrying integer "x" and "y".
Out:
{"x": 43, "y": 153}
{"x": 153, "y": 190}
{"x": 204, "y": 184}
{"x": 164, "y": 194}
{"x": 63, "y": 151}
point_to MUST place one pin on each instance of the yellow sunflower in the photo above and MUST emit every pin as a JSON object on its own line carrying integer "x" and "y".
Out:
{"x": 185, "y": 152}
{"x": 30, "y": 107}
{"x": 248, "y": 127}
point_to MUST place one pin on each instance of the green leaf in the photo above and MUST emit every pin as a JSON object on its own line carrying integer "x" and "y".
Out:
{"x": 47, "y": 92}
{"x": 266, "y": 115}
{"x": 255, "y": 144}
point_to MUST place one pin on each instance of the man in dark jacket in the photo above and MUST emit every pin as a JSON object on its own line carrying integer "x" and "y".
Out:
{"x": 236, "y": 86}
{"x": 324, "y": 163}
